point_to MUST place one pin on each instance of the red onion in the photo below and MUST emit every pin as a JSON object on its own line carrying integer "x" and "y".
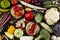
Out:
{"x": 5, "y": 16}
{"x": 5, "y": 22}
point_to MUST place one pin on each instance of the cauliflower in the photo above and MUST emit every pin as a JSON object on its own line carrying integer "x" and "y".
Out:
{"x": 52, "y": 16}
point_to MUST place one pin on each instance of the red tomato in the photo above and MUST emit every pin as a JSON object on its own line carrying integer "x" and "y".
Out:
{"x": 21, "y": 14}
{"x": 32, "y": 28}
{"x": 14, "y": 2}
{"x": 28, "y": 1}
{"x": 29, "y": 15}
{"x": 16, "y": 8}
{"x": 18, "y": 13}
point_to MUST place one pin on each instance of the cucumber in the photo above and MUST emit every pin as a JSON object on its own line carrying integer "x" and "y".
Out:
{"x": 18, "y": 33}
{"x": 46, "y": 27}
{"x": 5, "y": 4}
{"x": 4, "y": 10}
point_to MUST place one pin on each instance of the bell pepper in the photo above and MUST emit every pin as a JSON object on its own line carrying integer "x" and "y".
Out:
{"x": 29, "y": 15}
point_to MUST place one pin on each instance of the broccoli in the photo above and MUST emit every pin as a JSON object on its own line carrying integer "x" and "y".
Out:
{"x": 43, "y": 34}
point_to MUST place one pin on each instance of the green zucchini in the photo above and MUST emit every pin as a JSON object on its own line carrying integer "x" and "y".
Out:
{"x": 4, "y": 10}
{"x": 46, "y": 27}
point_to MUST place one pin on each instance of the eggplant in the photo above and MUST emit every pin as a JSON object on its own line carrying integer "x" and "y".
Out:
{"x": 56, "y": 29}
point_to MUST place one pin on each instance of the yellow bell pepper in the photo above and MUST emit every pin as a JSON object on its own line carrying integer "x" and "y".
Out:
{"x": 11, "y": 29}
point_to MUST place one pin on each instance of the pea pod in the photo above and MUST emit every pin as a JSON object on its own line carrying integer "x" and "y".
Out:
{"x": 4, "y": 10}
{"x": 48, "y": 4}
{"x": 46, "y": 27}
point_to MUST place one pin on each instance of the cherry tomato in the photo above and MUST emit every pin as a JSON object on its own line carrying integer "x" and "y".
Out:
{"x": 28, "y": 1}
{"x": 14, "y": 2}
{"x": 29, "y": 15}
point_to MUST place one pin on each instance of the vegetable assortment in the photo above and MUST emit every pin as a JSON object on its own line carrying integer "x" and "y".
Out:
{"x": 29, "y": 20}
